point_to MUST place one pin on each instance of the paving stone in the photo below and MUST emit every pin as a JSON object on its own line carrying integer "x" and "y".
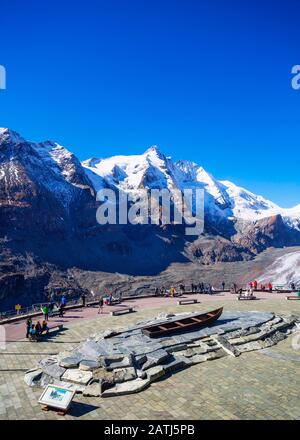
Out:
{"x": 53, "y": 370}
{"x": 93, "y": 390}
{"x": 174, "y": 365}
{"x": 69, "y": 362}
{"x": 77, "y": 376}
{"x": 32, "y": 377}
{"x": 155, "y": 358}
{"x": 124, "y": 374}
{"x": 105, "y": 376}
{"x": 121, "y": 362}
{"x": 131, "y": 387}
{"x": 229, "y": 348}
{"x": 155, "y": 373}
{"x": 88, "y": 365}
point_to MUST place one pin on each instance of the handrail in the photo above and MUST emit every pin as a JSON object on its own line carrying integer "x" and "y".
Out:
{"x": 36, "y": 307}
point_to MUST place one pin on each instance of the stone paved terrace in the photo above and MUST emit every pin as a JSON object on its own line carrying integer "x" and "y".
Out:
{"x": 256, "y": 385}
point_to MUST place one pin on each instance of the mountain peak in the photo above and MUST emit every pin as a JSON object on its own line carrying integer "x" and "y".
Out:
{"x": 7, "y": 135}
{"x": 154, "y": 149}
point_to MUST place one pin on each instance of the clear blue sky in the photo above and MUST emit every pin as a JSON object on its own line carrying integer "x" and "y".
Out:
{"x": 206, "y": 80}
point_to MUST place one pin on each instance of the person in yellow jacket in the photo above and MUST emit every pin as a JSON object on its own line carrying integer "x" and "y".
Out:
{"x": 172, "y": 291}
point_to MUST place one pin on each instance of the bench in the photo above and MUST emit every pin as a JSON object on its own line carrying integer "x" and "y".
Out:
{"x": 291, "y": 298}
{"x": 246, "y": 298}
{"x": 184, "y": 302}
{"x": 122, "y": 311}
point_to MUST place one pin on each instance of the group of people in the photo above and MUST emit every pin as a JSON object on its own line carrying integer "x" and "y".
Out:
{"x": 254, "y": 285}
{"x": 195, "y": 288}
{"x": 202, "y": 288}
{"x": 34, "y": 331}
{"x": 167, "y": 292}
{"x": 108, "y": 300}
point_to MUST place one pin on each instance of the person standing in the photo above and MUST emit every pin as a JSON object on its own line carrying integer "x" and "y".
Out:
{"x": 223, "y": 286}
{"x": 61, "y": 310}
{"x": 255, "y": 285}
{"x": 83, "y": 298}
{"x": 101, "y": 302}
{"x": 51, "y": 308}
{"x": 45, "y": 311}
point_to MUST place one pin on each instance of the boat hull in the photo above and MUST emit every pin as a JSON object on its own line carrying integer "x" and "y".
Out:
{"x": 183, "y": 325}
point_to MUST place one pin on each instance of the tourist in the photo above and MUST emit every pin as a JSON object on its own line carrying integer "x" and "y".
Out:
{"x": 263, "y": 287}
{"x": 51, "y": 308}
{"x": 45, "y": 328}
{"x": 120, "y": 296}
{"x": 209, "y": 289}
{"x": 63, "y": 301}
{"x": 83, "y": 298}
{"x": 28, "y": 327}
{"x": 270, "y": 287}
{"x": 61, "y": 311}
{"x": 233, "y": 288}
{"x": 293, "y": 287}
{"x": 251, "y": 285}
{"x": 156, "y": 293}
{"x": 172, "y": 292}
{"x": 255, "y": 285}
{"x": 45, "y": 310}
{"x": 223, "y": 286}
{"x": 100, "y": 310}
{"x": 38, "y": 328}
{"x": 110, "y": 299}
{"x": 32, "y": 332}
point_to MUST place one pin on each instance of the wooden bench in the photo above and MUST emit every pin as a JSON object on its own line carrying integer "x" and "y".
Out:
{"x": 292, "y": 298}
{"x": 122, "y": 311}
{"x": 184, "y": 302}
{"x": 246, "y": 298}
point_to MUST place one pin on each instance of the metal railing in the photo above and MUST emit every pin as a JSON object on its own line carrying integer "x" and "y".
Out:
{"x": 71, "y": 301}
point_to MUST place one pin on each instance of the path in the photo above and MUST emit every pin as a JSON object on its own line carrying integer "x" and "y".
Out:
{"x": 17, "y": 330}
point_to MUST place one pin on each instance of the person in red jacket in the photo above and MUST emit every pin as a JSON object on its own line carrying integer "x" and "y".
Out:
{"x": 251, "y": 285}
{"x": 270, "y": 287}
{"x": 262, "y": 287}
{"x": 255, "y": 285}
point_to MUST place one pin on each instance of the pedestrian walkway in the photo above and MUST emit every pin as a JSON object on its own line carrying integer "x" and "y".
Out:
{"x": 252, "y": 386}
{"x": 17, "y": 330}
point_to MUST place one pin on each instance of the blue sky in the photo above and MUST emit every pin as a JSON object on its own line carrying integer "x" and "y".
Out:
{"x": 206, "y": 80}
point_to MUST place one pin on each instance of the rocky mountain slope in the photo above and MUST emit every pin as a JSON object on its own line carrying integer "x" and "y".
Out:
{"x": 48, "y": 216}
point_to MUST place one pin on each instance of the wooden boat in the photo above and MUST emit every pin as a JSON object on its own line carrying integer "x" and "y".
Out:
{"x": 182, "y": 325}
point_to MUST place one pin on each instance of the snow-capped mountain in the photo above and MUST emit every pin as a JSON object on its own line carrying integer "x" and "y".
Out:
{"x": 284, "y": 270}
{"x": 48, "y": 216}
{"x": 48, "y": 196}
{"x": 153, "y": 169}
